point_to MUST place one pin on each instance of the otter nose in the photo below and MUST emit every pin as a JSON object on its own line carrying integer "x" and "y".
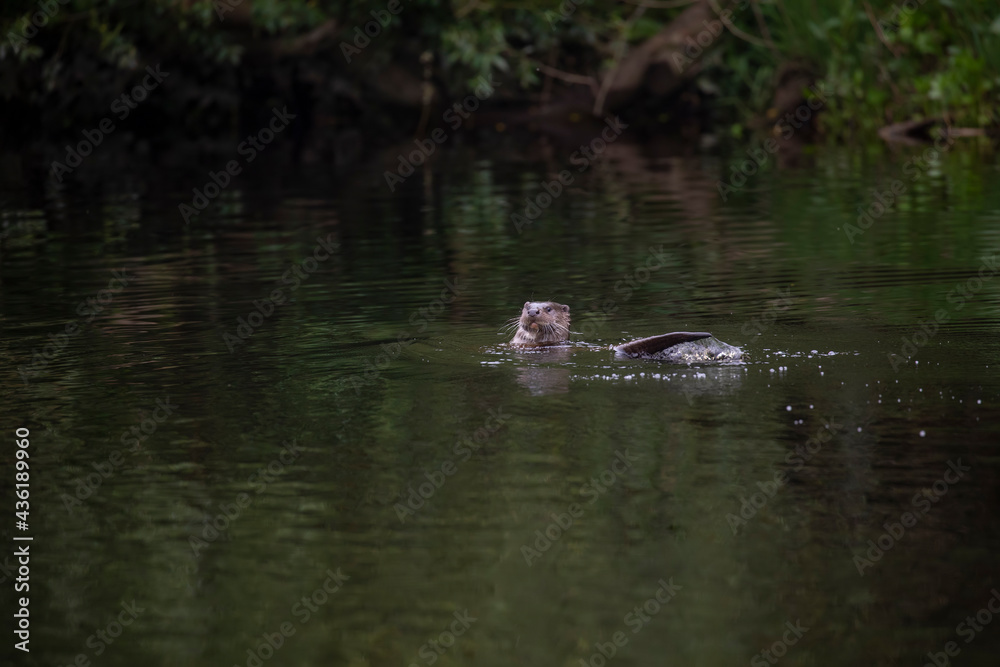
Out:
{"x": 534, "y": 312}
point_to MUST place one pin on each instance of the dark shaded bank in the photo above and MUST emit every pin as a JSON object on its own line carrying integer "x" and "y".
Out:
{"x": 152, "y": 74}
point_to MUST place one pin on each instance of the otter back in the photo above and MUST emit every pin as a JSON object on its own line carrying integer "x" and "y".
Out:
{"x": 547, "y": 323}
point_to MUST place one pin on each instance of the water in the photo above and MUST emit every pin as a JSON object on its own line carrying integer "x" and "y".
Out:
{"x": 567, "y": 488}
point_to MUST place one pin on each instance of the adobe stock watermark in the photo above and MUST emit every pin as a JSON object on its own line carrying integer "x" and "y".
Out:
{"x": 778, "y": 649}
{"x": 90, "y": 308}
{"x": 264, "y": 308}
{"x": 249, "y": 148}
{"x": 884, "y": 201}
{"x": 420, "y": 319}
{"x": 629, "y": 284}
{"x": 372, "y": 29}
{"x": 635, "y": 620}
{"x": 892, "y": 20}
{"x": 969, "y": 629}
{"x": 458, "y": 113}
{"x": 759, "y": 155}
{"x": 85, "y": 487}
{"x": 39, "y": 417}
{"x": 921, "y": 503}
{"x": 566, "y": 9}
{"x": 33, "y": 22}
{"x": 103, "y": 638}
{"x": 595, "y": 488}
{"x": 584, "y": 157}
{"x": 957, "y": 297}
{"x": 121, "y": 107}
{"x": 464, "y": 447}
{"x": 695, "y": 46}
{"x": 797, "y": 458}
{"x": 10, "y": 571}
{"x": 271, "y": 642}
{"x": 758, "y": 325}
{"x": 431, "y": 651}
{"x": 229, "y": 513}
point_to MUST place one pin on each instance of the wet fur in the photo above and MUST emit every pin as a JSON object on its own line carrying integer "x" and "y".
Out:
{"x": 645, "y": 347}
{"x": 541, "y": 323}
{"x": 547, "y": 323}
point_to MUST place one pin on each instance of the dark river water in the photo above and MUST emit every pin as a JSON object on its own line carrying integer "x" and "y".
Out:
{"x": 289, "y": 431}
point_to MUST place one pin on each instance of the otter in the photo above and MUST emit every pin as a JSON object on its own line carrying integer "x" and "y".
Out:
{"x": 547, "y": 323}
{"x": 541, "y": 323}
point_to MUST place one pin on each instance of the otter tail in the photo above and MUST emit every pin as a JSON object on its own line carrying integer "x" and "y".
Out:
{"x": 654, "y": 344}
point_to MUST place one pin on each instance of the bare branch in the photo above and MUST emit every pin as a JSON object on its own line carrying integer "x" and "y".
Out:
{"x": 609, "y": 78}
{"x": 878, "y": 30}
{"x": 568, "y": 77}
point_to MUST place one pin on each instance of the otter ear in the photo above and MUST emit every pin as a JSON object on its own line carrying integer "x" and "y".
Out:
{"x": 526, "y": 304}
{"x": 565, "y": 309}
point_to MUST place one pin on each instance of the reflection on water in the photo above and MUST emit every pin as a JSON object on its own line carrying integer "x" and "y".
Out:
{"x": 370, "y": 476}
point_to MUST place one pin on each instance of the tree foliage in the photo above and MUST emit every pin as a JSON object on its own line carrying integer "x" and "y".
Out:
{"x": 886, "y": 62}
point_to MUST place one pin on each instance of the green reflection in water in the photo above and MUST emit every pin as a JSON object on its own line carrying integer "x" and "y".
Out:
{"x": 429, "y": 459}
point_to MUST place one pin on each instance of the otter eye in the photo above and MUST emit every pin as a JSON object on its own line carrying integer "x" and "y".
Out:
{"x": 548, "y": 310}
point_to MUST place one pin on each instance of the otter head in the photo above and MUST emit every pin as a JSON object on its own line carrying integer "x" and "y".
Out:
{"x": 542, "y": 323}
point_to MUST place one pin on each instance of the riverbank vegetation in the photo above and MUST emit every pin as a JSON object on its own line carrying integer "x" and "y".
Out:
{"x": 385, "y": 66}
